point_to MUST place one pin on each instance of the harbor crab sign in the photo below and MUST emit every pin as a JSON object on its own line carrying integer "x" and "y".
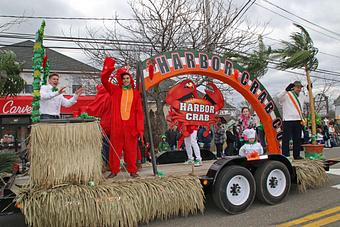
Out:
{"x": 188, "y": 109}
{"x": 181, "y": 62}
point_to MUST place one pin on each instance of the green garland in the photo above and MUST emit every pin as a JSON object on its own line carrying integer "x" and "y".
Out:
{"x": 38, "y": 55}
{"x": 85, "y": 115}
{"x": 314, "y": 156}
{"x": 317, "y": 119}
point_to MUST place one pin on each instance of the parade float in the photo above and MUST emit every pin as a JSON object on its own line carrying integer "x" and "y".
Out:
{"x": 66, "y": 186}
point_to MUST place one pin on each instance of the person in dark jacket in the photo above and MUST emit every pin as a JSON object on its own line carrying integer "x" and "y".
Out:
{"x": 231, "y": 139}
{"x": 219, "y": 139}
{"x": 172, "y": 137}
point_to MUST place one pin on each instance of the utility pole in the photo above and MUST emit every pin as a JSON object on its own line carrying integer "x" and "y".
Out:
{"x": 207, "y": 15}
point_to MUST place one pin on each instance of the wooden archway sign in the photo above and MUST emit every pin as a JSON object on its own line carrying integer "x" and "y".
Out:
{"x": 182, "y": 62}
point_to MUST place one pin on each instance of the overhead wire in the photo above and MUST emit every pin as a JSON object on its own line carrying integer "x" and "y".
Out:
{"x": 261, "y": 6}
{"x": 301, "y": 18}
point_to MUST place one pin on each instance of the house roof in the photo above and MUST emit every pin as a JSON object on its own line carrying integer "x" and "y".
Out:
{"x": 58, "y": 61}
{"x": 337, "y": 101}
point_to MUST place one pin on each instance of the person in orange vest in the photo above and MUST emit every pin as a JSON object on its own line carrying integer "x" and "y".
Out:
{"x": 127, "y": 118}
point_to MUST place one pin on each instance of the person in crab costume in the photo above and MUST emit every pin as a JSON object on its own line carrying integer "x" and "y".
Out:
{"x": 185, "y": 94}
{"x": 127, "y": 118}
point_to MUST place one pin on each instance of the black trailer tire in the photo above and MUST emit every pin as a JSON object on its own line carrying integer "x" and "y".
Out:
{"x": 234, "y": 189}
{"x": 272, "y": 182}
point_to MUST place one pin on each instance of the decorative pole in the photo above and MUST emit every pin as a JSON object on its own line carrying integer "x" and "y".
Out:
{"x": 38, "y": 69}
{"x": 141, "y": 84}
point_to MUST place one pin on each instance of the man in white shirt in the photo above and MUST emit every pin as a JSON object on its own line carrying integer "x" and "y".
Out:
{"x": 51, "y": 99}
{"x": 292, "y": 101}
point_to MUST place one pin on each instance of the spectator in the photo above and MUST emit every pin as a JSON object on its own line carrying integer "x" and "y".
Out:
{"x": 231, "y": 139}
{"x": 332, "y": 133}
{"x": 245, "y": 121}
{"x": 163, "y": 146}
{"x": 172, "y": 137}
{"x": 219, "y": 139}
{"x": 204, "y": 142}
{"x": 319, "y": 136}
{"x": 326, "y": 137}
{"x": 337, "y": 133}
{"x": 207, "y": 140}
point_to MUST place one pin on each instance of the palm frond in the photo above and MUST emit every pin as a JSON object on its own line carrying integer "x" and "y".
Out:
{"x": 299, "y": 53}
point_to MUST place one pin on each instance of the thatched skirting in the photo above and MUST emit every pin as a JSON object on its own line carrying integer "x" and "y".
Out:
{"x": 65, "y": 153}
{"x": 116, "y": 204}
{"x": 310, "y": 174}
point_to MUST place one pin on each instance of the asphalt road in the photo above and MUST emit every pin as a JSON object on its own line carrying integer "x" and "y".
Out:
{"x": 295, "y": 206}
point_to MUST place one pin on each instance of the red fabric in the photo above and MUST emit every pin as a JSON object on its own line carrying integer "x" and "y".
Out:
{"x": 129, "y": 129}
{"x": 127, "y": 142}
{"x": 151, "y": 71}
{"x": 101, "y": 107}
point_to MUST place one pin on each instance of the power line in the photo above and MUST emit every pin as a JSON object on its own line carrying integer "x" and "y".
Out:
{"x": 295, "y": 21}
{"x": 112, "y": 49}
{"x": 239, "y": 12}
{"x": 132, "y": 19}
{"x": 123, "y": 42}
{"x": 16, "y": 35}
{"x": 308, "y": 21}
{"x": 71, "y": 18}
{"x": 245, "y": 11}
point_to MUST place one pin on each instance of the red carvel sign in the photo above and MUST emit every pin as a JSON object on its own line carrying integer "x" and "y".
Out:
{"x": 22, "y": 105}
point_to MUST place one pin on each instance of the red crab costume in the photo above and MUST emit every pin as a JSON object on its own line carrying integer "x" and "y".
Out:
{"x": 127, "y": 118}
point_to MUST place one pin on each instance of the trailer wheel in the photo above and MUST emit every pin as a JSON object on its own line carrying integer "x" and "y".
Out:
{"x": 234, "y": 190}
{"x": 272, "y": 182}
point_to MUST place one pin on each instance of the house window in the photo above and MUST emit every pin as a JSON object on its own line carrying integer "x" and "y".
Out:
{"x": 75, "y": 87}
{"x": 28, "y": 89}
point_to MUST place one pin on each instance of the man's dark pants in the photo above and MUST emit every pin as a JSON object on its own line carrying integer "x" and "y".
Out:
{"x": 291, "y": 130}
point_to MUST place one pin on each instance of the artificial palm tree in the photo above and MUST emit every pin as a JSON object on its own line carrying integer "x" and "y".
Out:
{"x": 300, "y": 54}
{"x": 256, "y": 62}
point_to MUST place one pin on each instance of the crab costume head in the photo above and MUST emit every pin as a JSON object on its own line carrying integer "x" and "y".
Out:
{"x": 124, "y": 71}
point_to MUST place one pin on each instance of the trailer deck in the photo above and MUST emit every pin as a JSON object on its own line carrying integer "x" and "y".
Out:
{"x": 176, "y": 169}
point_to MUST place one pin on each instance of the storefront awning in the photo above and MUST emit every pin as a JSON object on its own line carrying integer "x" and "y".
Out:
{"x": 19, "y": 105}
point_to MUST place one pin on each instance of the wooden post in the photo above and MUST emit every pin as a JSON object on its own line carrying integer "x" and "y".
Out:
{"x": 311, "y": 105}
{"x": 140, "y": 75}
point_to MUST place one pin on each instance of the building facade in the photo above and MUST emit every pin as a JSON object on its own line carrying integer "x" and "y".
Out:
{"x": 15, "y": 111}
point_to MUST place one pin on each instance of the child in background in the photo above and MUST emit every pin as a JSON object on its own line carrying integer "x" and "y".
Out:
{"x": 231, "y": 139}
{"x": 251, "y": 145}
{"x": 163, "y": 146}
{"x": 319, "y": 135}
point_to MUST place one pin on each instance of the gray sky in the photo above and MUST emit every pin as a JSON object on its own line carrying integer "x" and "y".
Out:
{"x": 324, "y": 13}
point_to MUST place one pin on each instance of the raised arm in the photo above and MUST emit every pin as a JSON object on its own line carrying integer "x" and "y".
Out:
{"x": 69, "y": 102}
{"x": 108, "y": 68}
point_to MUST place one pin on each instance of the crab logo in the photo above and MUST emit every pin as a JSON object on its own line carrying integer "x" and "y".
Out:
{"x": 188, "y": 109}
